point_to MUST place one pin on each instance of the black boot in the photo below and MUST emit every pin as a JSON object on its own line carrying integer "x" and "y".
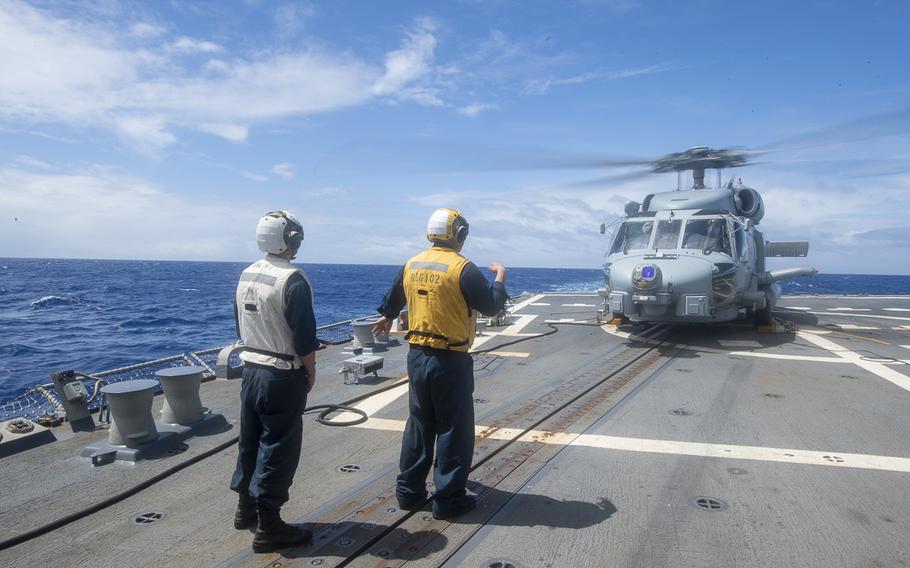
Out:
{"x": 273, "y": 533}
{"x": 245, "y": 516}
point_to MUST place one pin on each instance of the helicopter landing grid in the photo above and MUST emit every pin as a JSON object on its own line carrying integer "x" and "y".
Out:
{"x": 711, "y": 445}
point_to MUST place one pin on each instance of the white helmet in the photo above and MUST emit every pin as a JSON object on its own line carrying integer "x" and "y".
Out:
{"x": 278, "y": 231}
{"x": 447, "y": 226}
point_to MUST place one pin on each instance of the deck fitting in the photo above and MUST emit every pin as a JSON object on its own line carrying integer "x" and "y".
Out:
{"x": 148, "y": 517}
{"x": 680, "y": 412}
{"x": 349, "y": 468}
{"x": 712, "y": 504}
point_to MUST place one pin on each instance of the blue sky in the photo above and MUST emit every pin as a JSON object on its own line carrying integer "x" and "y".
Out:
{"x": 165, "y": 129}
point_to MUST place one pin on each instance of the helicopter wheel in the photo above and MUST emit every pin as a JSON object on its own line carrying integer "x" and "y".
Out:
{"x": 763, "y": 316}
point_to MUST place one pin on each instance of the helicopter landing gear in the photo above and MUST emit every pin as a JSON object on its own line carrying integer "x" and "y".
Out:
{"x": 763, "y": 316}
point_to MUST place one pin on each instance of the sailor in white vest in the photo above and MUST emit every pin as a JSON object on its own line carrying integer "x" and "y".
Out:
{"x": 274, "y": 311}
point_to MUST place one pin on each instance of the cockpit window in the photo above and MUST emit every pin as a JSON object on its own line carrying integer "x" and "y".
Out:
{"x": 667, "y": 235}
{"x": 707, "y": 234}
{"x": 632, "y": 235}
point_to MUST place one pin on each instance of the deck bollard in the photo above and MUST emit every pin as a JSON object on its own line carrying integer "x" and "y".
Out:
{"x": 181, "y": 394}
{"x": 363, "y": 333}
{"x": 131, "y": 412}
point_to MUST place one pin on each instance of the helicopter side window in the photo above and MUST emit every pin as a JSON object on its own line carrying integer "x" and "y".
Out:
{"x": 667, "y": 235}
{"x": 632, "y": 235}
{"x": 707, "y": 234}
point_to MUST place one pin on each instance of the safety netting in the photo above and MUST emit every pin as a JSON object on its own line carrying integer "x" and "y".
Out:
{"x": 41, "y": 403}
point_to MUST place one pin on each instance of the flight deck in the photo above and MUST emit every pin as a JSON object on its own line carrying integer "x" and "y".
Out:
{"x": 596, "y": 445}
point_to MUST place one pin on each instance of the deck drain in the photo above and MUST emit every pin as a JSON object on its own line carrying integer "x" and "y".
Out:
{"x": 316, "y": 562}
{"x": 383, "y": 553}
{"x": 178, "y": 450}
{"x": 834, "y": 459}
{"x": 709, "y": 503}
{"x": 773, "y": 395}
{"x": 349, "y": 468}
{"x": 501, "y": 563}
{"x": 148, "y": 518}
{"x": 680, "y": 412}
{"x": 344, "y": 542}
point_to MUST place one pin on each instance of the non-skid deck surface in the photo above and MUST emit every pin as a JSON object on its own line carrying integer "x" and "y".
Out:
{"x": 799, "y": 439}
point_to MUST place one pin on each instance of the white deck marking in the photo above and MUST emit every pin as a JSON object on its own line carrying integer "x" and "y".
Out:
{"x": 738, "y": 343}
{"x": 849, "y": 310}
{"x": 896, "y": 309}
{"x": 527, "y": 302}
{"x": 899, "y": 379}
{"x": 672, "y": 447}
{"x": 523, "y": 321}
{"x": 510, "y": 354}
{"x": 851, "y": 326}
{"x": 562, "y": 320}
{"x": 580, "y": 305}
{"x": 801, "y": 308}
{"x": 373, "y": 404}
{"x": 783, "y": 357}
{"x": 541, "y": 304}
{"x": 901, "y": 328}
{"x": 861, "y": 316}
{"x": 906, "y": 346}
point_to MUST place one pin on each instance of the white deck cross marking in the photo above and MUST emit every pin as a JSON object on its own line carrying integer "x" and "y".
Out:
{"x": 541, "y": 304}
{"x": 698, "y": 449}
{"x": 899, "y": 379}
{"x": 849, "y": 310}
{"x": 527, "y": 302}
{"x": 783, "y": 357}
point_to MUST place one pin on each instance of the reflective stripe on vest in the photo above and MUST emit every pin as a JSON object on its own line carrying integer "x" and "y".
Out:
{"x": 438, "y": 314}
{"x": 261, "y": 310}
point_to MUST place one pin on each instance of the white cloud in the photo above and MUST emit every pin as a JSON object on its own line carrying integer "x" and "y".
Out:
{"x": 541, "y": 86}
{"x": 32, "y": 162}
{"x": 101, "y": 213}
{"x": 255, "y": 177}
{"x": 474, "y": 109}
{"x": 410, "y": 62}
{"x": 145, "y": 30}
{"x": 284, "y": 170}
{"x": 190, "y": 45}
{"x": 83, "y": 73}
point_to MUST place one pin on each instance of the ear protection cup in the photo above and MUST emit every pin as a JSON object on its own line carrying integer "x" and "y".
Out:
{"x": 293, "y": 237}
{"x": 460, "y": 229}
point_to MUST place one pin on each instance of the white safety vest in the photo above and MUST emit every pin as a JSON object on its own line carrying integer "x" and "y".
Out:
{"x": 260, "y": 309}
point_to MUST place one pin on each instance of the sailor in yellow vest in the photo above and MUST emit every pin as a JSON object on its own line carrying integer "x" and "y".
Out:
{"x": 274, "y": 311}
{"x": 443, "y": 291}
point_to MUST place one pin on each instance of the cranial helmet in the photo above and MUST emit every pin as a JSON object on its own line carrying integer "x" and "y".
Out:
{"x": 278, "y": 231}
{"x": 447, "y": 226}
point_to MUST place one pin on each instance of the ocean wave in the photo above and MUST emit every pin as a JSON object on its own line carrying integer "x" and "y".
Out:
{"x": 51, "y": 301}
{"x": 155, "y": 322}
{"x": 188, "y": 289}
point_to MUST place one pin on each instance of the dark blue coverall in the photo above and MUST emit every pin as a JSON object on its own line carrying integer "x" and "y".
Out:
{"x": 441, "y": 403}
{"x": 271, "y": 411}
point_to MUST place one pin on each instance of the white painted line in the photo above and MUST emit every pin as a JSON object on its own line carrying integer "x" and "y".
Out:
{"x": 540, "y": 304}
{"x": 739, "y": 343}
{"x": 527, "y": 302}
{"x": 800, "y": 308}
{"x": 899, "y": 379}
{"x": 861, "y": 316}
{"x": 902, "y": 328}
{"x": 579, "y": 305}
{"x": 849, "y": 310}
{"x": 523, "y": 321}
{"x": 784, "y": 357}
{"x": 563, "y": 320}
{"x": 896, "y": 309}
{"x": 851, "y": 326}
{"x": 510, "y": 354}
{"x": 671, "y": 447}
{"x": 373, "y": 404}
{"x": 906, "y": 346}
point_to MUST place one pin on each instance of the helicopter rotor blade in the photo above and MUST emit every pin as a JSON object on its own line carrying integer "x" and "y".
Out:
{"x": 880, "y": 125}
{"x": 392, "y": 157}
{"x": 601, "y": 182}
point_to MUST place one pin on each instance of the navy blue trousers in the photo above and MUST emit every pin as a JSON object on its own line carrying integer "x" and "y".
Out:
{"x": 441, "y": 407}
{"x": 271, "y": 433}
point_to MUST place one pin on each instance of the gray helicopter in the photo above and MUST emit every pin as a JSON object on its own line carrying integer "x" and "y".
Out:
{"x": 695, "y": 254}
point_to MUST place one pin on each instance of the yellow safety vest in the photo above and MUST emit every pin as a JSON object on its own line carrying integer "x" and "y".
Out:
{"x": 438, "y": 314}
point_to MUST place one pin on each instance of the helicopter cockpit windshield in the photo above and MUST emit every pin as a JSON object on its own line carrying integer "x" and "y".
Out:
{"x": 707, "y": 234}
{"x": 632, "y": 235}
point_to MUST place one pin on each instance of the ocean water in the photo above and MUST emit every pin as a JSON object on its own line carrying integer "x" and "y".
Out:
{"x": 93, "y": 315}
